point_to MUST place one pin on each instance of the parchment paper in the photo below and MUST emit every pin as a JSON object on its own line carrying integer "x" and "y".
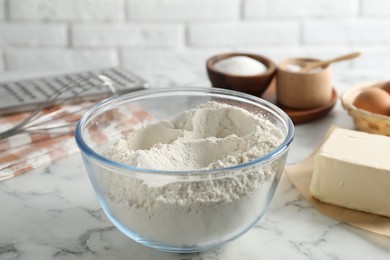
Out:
{"x": 300, "y": 175}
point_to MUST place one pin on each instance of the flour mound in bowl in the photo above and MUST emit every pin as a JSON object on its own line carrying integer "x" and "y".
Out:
{"x": 189, "y": 210}
{"x": 212, "y": 135}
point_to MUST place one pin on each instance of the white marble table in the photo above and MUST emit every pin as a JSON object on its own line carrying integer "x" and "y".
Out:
{"x": 53, "y": 213}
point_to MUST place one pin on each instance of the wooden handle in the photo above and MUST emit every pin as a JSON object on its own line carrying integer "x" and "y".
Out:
{"x": 317, "y": 64}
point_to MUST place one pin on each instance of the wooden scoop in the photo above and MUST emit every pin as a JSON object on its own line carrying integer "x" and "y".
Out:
{"x": 316, "y": 64}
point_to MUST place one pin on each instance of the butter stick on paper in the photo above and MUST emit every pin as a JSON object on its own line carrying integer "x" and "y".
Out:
{"x": 300, "y": 175}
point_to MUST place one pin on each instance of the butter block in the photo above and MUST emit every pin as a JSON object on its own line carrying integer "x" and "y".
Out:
{"x": 352, "y": 170}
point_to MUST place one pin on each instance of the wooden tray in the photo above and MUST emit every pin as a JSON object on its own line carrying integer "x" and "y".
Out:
{"x": 301, "y": 116}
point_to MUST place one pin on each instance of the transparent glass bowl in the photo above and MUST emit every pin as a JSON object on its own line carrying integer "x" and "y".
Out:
{"x": 159, "y": 208}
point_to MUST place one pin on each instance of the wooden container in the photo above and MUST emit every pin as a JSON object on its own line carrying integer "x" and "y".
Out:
{"x": 255, "y": 85}
{"x": 364, "y": 120}
{"x": 303, "y": 90}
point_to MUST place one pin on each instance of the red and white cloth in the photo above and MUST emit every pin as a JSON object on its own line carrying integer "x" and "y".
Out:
{"x": 27, "y": 151}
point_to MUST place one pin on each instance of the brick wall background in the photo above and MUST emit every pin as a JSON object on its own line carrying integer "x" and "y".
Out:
{"x": 181, "y": 34}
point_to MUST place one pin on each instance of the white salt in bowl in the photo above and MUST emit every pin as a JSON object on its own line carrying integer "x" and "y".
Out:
{"x": 179, "y": 211}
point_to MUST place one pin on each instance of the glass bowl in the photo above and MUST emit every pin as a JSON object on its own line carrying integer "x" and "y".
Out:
{"x": 178, "y": 211}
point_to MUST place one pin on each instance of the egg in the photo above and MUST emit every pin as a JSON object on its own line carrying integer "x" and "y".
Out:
{"x": 374, "y": 100}
{"x": 386, "y": 87}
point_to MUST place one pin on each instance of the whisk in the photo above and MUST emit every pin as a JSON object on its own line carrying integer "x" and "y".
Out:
{"x": 45, "y": 116}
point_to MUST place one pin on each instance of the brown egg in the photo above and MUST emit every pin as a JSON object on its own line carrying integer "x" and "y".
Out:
{"x": 386, "y": 87}
{"x": 375, "y": 100}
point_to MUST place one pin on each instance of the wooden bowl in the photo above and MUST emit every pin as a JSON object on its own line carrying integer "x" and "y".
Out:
{"x": 365, "y": 120}
{"x": 255, "y": 85}
{"x": 298, "y": 90}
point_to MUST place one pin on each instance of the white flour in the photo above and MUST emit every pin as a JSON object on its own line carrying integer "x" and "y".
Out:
{"x": 193, "y": 210}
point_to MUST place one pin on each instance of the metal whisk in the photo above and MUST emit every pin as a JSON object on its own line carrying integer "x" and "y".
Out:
{"x": 45, "y": 115}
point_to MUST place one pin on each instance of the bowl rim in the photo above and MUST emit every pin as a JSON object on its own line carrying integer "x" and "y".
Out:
{"x": 269, "y": 64}
{"x": 140, "y": 95}
{"x": 283, "y": 66}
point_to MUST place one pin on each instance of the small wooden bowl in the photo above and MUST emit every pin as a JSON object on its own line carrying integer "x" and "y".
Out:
{"x": 298, "y": 90}
{"x": 255, "y": 85}
{"x": 365, "y": 120}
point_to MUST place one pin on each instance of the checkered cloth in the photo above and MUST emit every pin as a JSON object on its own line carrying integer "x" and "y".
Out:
{"x": 27, "y": 151}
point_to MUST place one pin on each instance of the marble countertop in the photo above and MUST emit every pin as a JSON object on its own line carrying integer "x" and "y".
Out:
{"x": 53, "y": 213}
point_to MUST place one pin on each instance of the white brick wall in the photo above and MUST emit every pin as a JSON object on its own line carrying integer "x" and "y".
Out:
{"x": 299, "y": 8}
{"x": 165, "y": 60}
{"x": 375, "y": 8}
{"x": 1, "y": 61}
{"x": 2, "y": 9}
{"x": 182, "y": 34}
{"x": 183, "y": 10}
{"x": 67, "y": 10}
{"x": 350, "y": 32}
{"x": 32, "y": 34}
{"x": 127, "y": 34}
{"x": 236, "y": 34}
{"x": 59, "y": 59}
